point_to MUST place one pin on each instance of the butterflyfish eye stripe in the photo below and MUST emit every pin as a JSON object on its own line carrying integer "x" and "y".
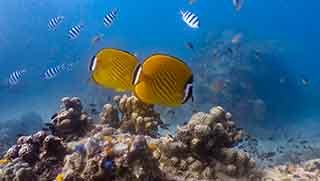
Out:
{"x": 93, "y": 63}
{"x": 136, "y": 74}
{"x": 188, "y": 89}
{"x": 187, "y": 93}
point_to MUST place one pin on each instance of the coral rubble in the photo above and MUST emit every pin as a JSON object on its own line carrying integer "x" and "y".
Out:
{"x": 126, "y": 145}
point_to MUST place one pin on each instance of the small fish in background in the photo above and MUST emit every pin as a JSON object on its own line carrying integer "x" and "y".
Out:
{"x": 218, "y": 86}
{"x": 283, "y": 80}
{"x": 110, "y": 17}
{"x": 190, "y": 19}
{"x": 257, "y": 55}
{"x": 53, "y": 72}
{"x": 191, "y": 2}
{"x": 237, "y": 4}
{"x": 304, "y": 81}
{"x": 237, "y": 38}
{"x": 229, "y": 51}
{"x": 190, "y": 45}
{"x": 92, "y": 105}
{"x": 96, "y": 39}
{"x": 304, "y": 142}
{"x": 55, "y": 22}
{"x": 75, "y": 31}
{"x": 94, "y": 111}
{"x": 290, "y": 140}
{"x": 271, "y": 138}
{"x": 16, "y": 76}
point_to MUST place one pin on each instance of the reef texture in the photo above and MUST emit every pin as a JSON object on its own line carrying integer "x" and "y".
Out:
{"x": 307, "y": 171}
{"x": 136, "y": 117}
{"x": 70, "y": 122}
{"x": 129, "y": 147}
{"x": 9, "y": 129}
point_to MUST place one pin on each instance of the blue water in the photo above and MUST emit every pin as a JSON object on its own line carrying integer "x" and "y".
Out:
{"x": 146, "y": 27}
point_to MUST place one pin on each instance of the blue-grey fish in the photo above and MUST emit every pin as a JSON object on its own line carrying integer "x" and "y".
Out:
{"x": 54, "y": 22}
{"x": 16, "y": 76}
{"x": 191, "y": 2}
{"x": 304, "y": 81}
{"x": 190, "y": 45}
{"x": 53, "y": 72}
{"x": 190, "y": 19}
{"x": 237, "y": 4}
{"x": 110, "y": 17}
{"x": 96, "y": 39}
{"x": 75, "y": 31}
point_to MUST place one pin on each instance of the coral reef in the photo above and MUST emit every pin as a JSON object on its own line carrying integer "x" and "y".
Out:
{"x": 306, "y": 171}
{"x": 70, "y": 122}
{"x": 10, "y": 129}
{"x": 33, "y": 156}
{"x": 136, "y": 117}
{"x": 203, "y": 147}
{"x": 128, "y": 147}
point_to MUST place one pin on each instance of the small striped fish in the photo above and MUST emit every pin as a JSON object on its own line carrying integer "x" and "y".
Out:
{"x": 190, "y": 19}
{"x": 53, "y": 72}
{"x": 237, "y": 4}
{"x": 74, "y": 32}
{"x": 16, "y": 76}
{"x": 54, "y": 22}
{"x": 110, "y": 17}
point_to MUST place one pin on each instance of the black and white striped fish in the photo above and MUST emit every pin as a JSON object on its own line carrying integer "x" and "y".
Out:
{"x": 16, "y": 76}
{"x": 53, "y": 72}
{"x": 75, "y": 31}
{"x": 190, "y": 19}
{"x": 237, "y": 4}
{"x": 54, "y": 22}
{"x": 110, "y": 17}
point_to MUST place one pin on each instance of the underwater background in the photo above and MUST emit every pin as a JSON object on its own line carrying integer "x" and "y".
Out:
{"x": 280, "y": 41}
